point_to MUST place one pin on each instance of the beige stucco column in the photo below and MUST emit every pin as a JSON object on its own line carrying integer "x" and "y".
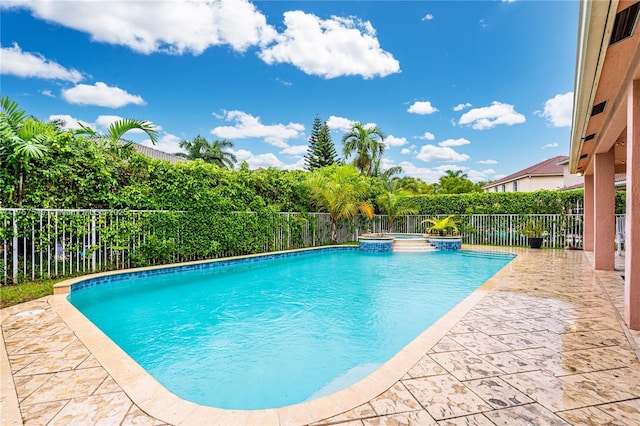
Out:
{"x": 604, "y": 211}
{"x": 587, "y": 239}
{"x": 632, "y": 239}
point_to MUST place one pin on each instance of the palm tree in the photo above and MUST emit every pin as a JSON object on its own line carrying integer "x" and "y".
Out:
{"x": 339, "y": 191}
{"x": 21, "y": 140}
{"x": 214, "y": 152}
{"x": 117, "y": 129}
{"x": 367, "y": 143}
{"x": 395, "y": 204}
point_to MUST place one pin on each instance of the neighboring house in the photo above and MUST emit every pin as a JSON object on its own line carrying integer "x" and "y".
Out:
{"x": 548, "y": 174}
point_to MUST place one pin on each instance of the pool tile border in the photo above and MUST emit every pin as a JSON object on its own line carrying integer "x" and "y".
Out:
{"x": 157, "y": 401}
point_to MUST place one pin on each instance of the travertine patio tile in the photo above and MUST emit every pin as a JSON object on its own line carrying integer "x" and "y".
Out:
{"x": 539, "y": 339}
{"x": 107, "y": 409}
{"x": 603, "y": 358}
{"x": 413, "y": 418}
{"x": 352, "y": 423}
{"x": 465, "y": 365}
{"x": 446, "y": 344}
{"x": 46, "y": 343}
{"x": 589, "y": 339}
{"x": 525, "y": 415}
{"x": 474, "y": 420}
{"x": 52, "y": 362}
{"x": 551, "y": 391}
{"x": 426, "y": 367}
{"x": 626, "y": 411}
{"x": 25, "y": 385}
{"x": 509, "y": 363}
{"x": 592, "y": 324}
{"x": 480, "y": 343}
{"x": 444, "y": 396}
{"x": 90, "y": 362}
{"x": 41, "y": 414}
{"x": 360, "y": 412}
{"x": 552, "y": 361}
{"x": 136, "y": 417}
{"x": 497, "y": 393}
{"x": 18, "y": 362}
{"x": 108, "y": 386}
{"x": 492, "y": 327}
{"x": 473, "y": 315}
{"x": 622, "y": 379}
{"x": 67, "y": 385}
{"x": 395, "y": 400}
{"x": 589, "y": 416}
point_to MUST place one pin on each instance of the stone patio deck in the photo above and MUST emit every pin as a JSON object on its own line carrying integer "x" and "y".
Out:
{"x": 542, "y": 344}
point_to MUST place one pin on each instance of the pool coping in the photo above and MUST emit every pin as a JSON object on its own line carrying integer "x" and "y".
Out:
{"x": 157, "y": 401}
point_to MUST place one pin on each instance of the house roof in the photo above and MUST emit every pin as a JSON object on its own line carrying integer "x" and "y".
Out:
{"x": 157, "y": 154}
{"x": 551, "y": 167}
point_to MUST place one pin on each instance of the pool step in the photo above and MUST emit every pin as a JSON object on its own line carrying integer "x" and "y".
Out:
{"x": 412, "y": 245}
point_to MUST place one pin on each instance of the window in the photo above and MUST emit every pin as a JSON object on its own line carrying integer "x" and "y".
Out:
{"x": 515, "y": 186}
{"x": 504, "y": 188}
{"x": 625, "y": 23}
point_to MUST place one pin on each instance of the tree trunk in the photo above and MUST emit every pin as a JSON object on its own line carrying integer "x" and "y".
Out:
{"x": 334, "y": 232}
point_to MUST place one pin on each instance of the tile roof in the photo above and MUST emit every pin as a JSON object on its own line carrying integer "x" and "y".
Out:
{"x": 549, "y": 167}
{"x": 157, "y": 154}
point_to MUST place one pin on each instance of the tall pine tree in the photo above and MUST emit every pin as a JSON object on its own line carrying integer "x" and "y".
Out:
{"x": 321, "y": 151}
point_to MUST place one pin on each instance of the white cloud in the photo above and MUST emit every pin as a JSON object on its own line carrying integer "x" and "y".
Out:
{"x": 70, "y": 123}
{"x": 551, "y": 145}
{"x": 427, "y": 17}
{"x": 160, "y": 26}
{"x": 409, "y": 150}
{"x": 491, "y": 116}
{"x": 339, "y": 123}
{"x": 422, "y": 108}
{"x": 100, "y": 95}
{"x": 167, "y": 143}
{"x": 454, "y": 142}
{"x": 558, "y": 111}
{"x": 257, "y": 161}
{"x": 47, "y": 93}
{"x": 330, "y": 48}
{"x": 264, "y": 161}
{"x": 394, "y": 141}
{"x": 344, "y": 124}
{"x": 426, "y": 174}
{"x": 488, "y": 162}
{"x": 460, "y": 107}
{"x": 442, "y": 154}
{"x": 296, "y": 150}
{"x": 428, "y": 136}
{"x": 104, "y": 121}
{"x": 34, "y": 65}
{"x": 248, "y": 126}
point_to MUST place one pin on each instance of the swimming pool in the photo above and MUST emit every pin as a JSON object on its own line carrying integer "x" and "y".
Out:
{"x": 281, "y": 330}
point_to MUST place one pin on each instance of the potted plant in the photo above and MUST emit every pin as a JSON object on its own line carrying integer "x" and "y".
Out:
{"x": 442, "y": 227}
{"x": 533, "y": 230}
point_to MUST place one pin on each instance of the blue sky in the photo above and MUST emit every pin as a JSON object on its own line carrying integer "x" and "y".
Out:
{"x": 479, "y": 86}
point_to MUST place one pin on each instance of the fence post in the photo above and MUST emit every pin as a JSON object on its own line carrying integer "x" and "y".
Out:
{"x": 14, "y": 249}
{"x": 93, "y": 241}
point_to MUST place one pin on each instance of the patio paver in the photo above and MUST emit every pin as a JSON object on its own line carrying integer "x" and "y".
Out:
{"x": 544, "y": 346}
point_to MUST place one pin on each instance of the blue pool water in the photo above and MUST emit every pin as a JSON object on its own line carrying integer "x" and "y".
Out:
{"x": 276, "y": 332}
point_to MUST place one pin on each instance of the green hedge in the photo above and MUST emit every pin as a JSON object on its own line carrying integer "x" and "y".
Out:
{"x": 538, "y": 202}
